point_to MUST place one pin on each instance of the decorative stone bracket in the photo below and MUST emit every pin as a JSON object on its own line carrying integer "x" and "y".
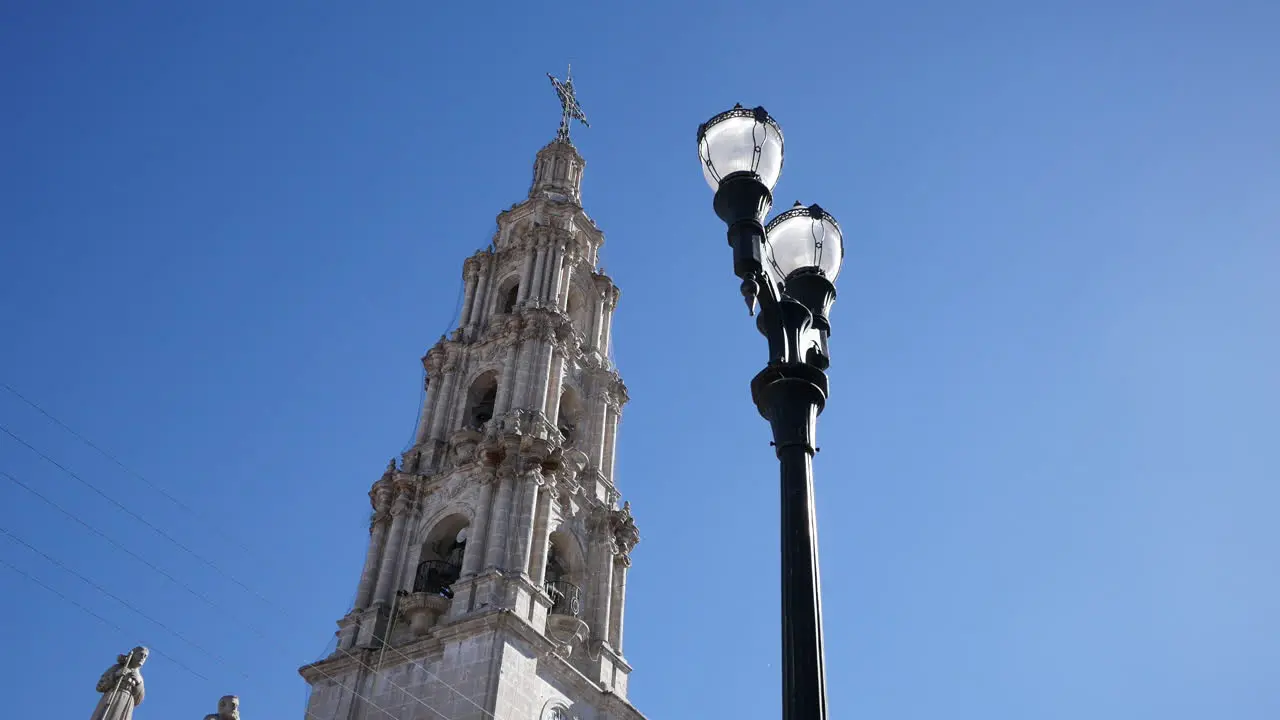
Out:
{"x": 423, "y": 610}
{"x": 566, "y": 632}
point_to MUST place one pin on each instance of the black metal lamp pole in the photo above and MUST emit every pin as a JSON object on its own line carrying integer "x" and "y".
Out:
{"x": 788, "y": 267}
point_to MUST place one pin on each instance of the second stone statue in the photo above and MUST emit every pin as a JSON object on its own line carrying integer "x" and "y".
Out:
{"x": 228, "y": 709}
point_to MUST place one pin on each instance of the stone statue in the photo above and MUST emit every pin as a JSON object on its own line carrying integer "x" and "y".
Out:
{"x": 228, "y": 709}
{"x": 121, "y": 687}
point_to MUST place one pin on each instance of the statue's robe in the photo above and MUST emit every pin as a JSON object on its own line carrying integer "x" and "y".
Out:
{"x": 122, "y": 691}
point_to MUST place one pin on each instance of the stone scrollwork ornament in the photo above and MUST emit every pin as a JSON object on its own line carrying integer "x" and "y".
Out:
{"x": 625, "y": 533}
{"x": 122, "y": 687}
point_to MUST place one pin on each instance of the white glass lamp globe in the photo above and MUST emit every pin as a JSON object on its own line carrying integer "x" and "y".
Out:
{"x": 740, "y": 140}
{"x": 805, "y": 237}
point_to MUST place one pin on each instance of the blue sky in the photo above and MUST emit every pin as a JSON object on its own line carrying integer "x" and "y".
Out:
{"x": 228, "y": 231}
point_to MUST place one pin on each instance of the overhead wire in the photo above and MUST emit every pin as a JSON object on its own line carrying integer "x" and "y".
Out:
{"x": 105, "y": 621}
{"x": 15, "y": 538}
{"x": 170, "y": 577}
{"x": 33, "y": 579}
{"x": 422, "y": 384}
{"x": 12, "y": 536}
{"x": 129, "y": 512}
{"x": 168, "y": 496}
{"x": 114, "y": 543}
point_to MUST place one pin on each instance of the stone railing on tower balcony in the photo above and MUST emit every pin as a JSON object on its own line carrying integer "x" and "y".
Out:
{"x": 526, "y": 423}
{"x": 566, "y": 598}
{"x": 431, "y": 596}
{"x": 565, "y": 626}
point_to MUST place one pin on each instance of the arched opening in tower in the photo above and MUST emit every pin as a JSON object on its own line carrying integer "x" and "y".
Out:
{"x": 442, "y": 554}
{"x": 509, "y": 297}
{"x": 480, "y": 400}
{"x": 570, "y": 414}
{"x": 566, "y": 597}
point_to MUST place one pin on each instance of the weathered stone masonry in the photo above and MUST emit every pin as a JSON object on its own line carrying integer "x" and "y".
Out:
{"x": 495, "y": 580}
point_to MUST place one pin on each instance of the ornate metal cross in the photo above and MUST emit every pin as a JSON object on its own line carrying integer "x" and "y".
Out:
{"x": 570, "y": 110}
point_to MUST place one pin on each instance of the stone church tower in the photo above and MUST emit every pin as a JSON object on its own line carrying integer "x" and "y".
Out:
{"x": 495, "y": 580}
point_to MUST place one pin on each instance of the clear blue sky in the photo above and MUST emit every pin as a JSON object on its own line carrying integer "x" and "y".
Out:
{"x": 228, "y": 231}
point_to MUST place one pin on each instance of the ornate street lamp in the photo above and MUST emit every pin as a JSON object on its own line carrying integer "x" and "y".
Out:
{"x": 789, "y": 268}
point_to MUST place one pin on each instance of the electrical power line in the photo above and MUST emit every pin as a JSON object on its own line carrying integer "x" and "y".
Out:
{"x": 207, "y": 521}
{"x": 121, "y": 506}
{"x": 107, "y": 622}
{"x": 217, "y": 658}
{"x": 114, "y": 543}
{"x": 166, "y": 536}
{"x": 203, "y": 597}
{"x": 13, "y": 537}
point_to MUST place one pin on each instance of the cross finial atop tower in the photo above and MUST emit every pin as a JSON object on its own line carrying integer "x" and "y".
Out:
{"x": 570, "y": 110}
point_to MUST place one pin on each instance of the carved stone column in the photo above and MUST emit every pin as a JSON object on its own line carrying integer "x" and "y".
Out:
{"x": 617, "y": 604}
{"x": 386, "y": 573}
{"x": 506, "y": 383}
{"x": 609, "y": 441}
{"x": 525, "y": 246}
{"x": 566, "y": 283}
{"x": 626, "y": 537}
{"x": 530, "y": 482}
{"x": 541, "y": 536}
{"x": 479, "y": 303}
{"x": 606, "y": 324}
{"x": 470, "y": 273}
{"x": 597, "y": 322}
{"x": 598, "y": 407}
{"x": 543, "y": 339}
{"x": 443, "y": 406}
{"x": 406, "y": 562}
{"x": 433, "y": 363}
{"x": 473, "y": 555}
{"x": 499, "y": 517}
{"x": 551, "y": 406}
{"x": 600, "y": 573}
{"x": 535, "y": 292}
{"x": 520, "y": 373}
{"x": 380, "y": 499}
{"x": 553, "y": 273}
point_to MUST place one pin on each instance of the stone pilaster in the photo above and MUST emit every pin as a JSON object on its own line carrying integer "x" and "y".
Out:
{"x": 541, "y": 537}
{"x": 399, "y": 515}
{"x": 506, "y": 383}
{"x": 479, "y": 302}
{"x": 526, "y": 280}
{"x": 526, "y": 504}
{"x": 617, "y": 603}
{"x": 470, "y": 274}
{"x": 380, "y": 499}
{"x": 499, "y": 519}
{"x": 443, "y": 401}
{"x": 600, "y": 575}
{"x": 535, "y": 292}
{"x": 609, "y": 445}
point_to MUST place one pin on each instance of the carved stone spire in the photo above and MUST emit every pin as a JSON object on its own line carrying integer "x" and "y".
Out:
{"x": 557, "y": 173}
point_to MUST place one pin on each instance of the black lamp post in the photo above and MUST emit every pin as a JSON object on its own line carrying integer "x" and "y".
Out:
{"x": 788, "y": 267}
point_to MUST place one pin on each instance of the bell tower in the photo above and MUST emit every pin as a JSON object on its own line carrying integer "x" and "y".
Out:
{"x": 495, "y": 580}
